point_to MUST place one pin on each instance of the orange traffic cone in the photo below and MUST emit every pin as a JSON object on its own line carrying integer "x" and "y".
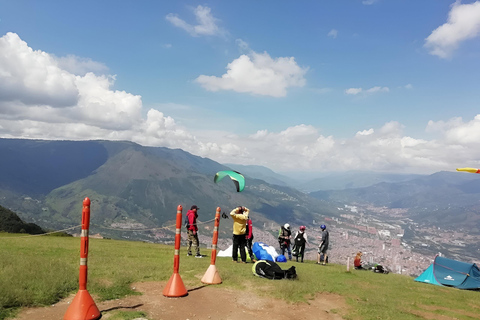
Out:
{"x": 175, "y": 287}
{"x": 82, "y": 308}
{"x": 211, "y": 276}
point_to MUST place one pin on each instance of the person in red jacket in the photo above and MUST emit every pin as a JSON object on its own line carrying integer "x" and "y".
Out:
{"x": 192, "y": 216}
{"x": 357, "y": 262}
{"x": 249, "y": 238}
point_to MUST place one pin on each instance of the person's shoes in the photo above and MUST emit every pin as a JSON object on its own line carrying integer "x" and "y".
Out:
{"x": 189, "y": 253}
{"x": 253, "y": 260}
{"x": 324, "y": 264}
{"x": 242, "y": 262}
{"x": 198, "y": 255}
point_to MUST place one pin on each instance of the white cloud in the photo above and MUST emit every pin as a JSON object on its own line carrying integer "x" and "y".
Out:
{"x": 355, "y": 91}
{"x": 40, "y": 98}
{"x": 48, "y": 102}
{"x": 369, "y": 2}
{"x": 333, "y": 33}
{"x": 80, "y": 66}
{"x": 377, "y": 89}
{"x": 365, "y": 132}
{"x": 463, "y": 23}
{"x": 257, "y": 73}
{"x": 408, "y": 86}
{"x": 207, "y": 24}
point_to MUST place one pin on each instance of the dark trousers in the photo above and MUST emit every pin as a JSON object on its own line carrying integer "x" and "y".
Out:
{"x": 286, "y": 247}
{"x": 301, "y": 251}
{"x": 239, "y": 243}
{"x": 249, "y": 248}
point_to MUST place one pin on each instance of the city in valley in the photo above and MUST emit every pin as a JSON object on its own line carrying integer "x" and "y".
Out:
{"x": 385, "y": 236}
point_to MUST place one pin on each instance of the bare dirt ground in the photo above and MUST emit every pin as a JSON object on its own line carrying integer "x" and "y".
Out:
{"x": 204, "y": 302}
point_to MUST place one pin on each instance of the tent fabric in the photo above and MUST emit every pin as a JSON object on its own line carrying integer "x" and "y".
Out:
{"x": 264, "y": 252}
{"x": 228, "y": 252}
{"x": 428, "y": 277}
{"x": 452, "y": 273}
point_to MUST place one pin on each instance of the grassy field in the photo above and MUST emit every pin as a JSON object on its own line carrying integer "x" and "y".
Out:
{"x": 37, "y": 271}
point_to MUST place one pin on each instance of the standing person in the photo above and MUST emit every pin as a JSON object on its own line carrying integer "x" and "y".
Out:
{"x": 284, "y": 235}
{"x": 323, "y": 247}
{"x": 192, "y": 216}
{"x": 240, "y": 217}
{"x": 299, "y": 243}
{"x": 249, "y": 239}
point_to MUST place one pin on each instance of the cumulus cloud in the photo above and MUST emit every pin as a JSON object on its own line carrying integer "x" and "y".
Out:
{"x": 463, "y": 23}
{"x": 80, "y": 66}
{"x": 52, "y": 103}
{"x": 257, "y": 73}
{"x": 42, "y": 96}
{"x": 207, "y": 24}
{"x": 333, "y": 33}
{"x": 369, "y": 2}
{"x": 355, "y": 91}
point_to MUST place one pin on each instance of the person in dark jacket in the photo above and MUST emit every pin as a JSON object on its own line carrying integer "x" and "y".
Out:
{"x": 284, "y": 236}
{"x": 323, "y": 247}
{"x": 299, "y": 243}
{"x": 192, "y": 216}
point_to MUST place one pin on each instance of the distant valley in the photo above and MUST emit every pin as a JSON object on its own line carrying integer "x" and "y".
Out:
{"x": 135, "y": 188}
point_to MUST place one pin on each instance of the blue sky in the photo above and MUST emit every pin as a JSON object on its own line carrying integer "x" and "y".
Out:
{"x": 312, "y": 86}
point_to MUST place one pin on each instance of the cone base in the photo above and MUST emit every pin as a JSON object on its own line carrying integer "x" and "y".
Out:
{"x": 211, "y": 276}
{"x": 175, "y": 287}
{"x": 82, "y": 308}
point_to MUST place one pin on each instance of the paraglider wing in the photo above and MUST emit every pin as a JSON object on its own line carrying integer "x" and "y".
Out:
{"x": 236, "y": 177}
{"x": 472, "y": 170}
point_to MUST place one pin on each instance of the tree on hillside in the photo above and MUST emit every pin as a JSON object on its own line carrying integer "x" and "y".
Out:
{"x": 10, "y": 222}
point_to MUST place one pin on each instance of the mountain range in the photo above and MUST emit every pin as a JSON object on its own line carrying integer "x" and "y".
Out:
{"x": 132, "y": 186}
{"x": 137, "y": 187}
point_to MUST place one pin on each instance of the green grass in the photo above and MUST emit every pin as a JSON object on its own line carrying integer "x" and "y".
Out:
{"x": 39, "y": 271}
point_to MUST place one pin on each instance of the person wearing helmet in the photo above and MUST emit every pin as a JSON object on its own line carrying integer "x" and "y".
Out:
{"x": 284, "y": 235}
{"x": 323, "y": 247}
{"x": 299, "y": 243}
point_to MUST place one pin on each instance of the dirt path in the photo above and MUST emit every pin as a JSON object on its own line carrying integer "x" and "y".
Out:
{"x": 204, "y": 302}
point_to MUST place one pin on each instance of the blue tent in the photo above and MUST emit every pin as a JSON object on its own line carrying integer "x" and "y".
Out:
{"x": 452, "y": 273}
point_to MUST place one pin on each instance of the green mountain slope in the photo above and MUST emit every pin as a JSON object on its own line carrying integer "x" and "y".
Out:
{"x": 144, "y": 185}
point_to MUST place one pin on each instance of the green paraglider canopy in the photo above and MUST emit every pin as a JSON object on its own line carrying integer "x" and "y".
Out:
{"x": 237, "y": 178}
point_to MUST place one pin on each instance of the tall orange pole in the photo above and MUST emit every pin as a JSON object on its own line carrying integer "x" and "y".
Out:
{"x": 83, "y": 307}
{"x": 211, "y": 276}
{"x": 175, "y": 286}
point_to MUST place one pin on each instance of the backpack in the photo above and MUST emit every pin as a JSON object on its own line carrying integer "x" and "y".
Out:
{"x": 300, "y": 239}
{"x": 186, "y": 222}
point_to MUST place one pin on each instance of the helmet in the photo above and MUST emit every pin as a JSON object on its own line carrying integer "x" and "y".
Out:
{"x": 323, "y": 227}
{"x": 286, "y": 226}
{"x": 302, "y": 228}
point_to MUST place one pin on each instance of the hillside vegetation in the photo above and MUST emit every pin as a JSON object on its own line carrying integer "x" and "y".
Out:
{"x": 10, "y": 222}
{"x": 42, "y": 270}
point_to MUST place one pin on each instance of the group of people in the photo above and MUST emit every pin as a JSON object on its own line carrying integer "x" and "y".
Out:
{"x": 300, "y": 240}
{"x": 243, "y": 237}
